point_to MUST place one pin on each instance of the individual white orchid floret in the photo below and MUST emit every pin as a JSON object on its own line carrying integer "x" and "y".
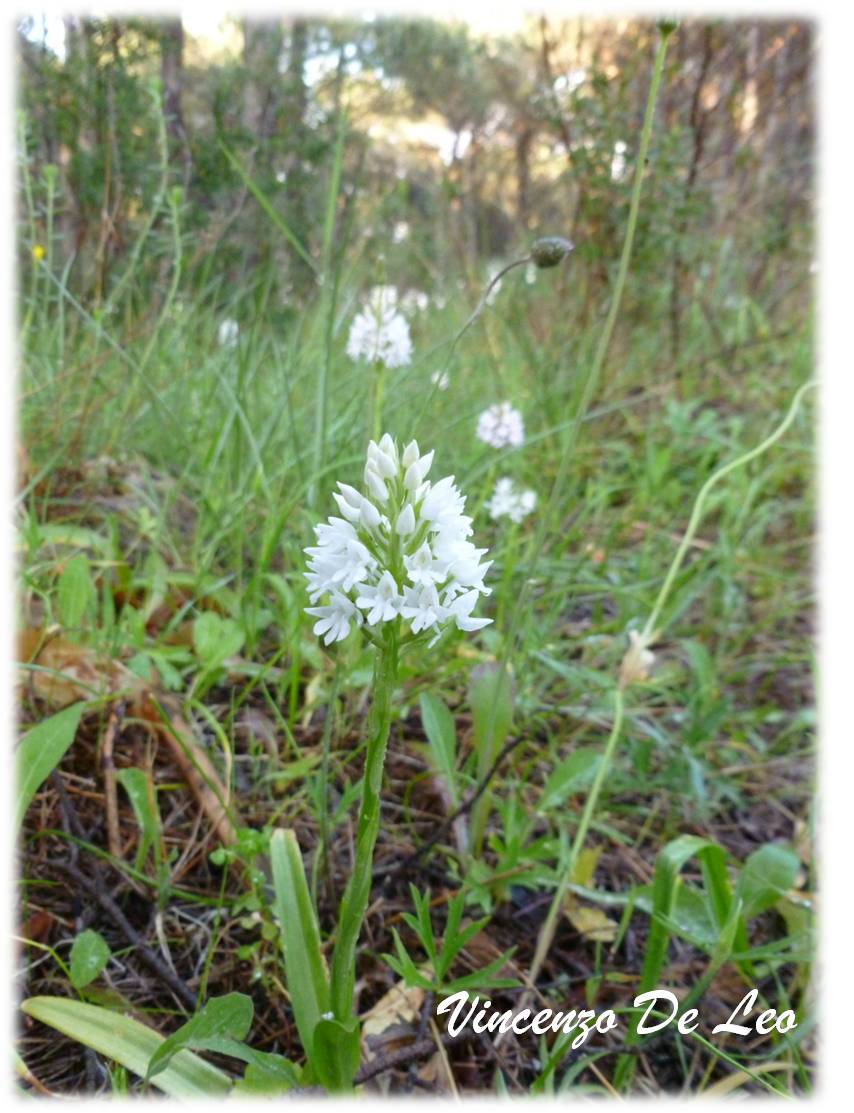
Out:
{"x": 462, "y": 560}
{"x": 442, "y": 506}
{"x": 351, "y": 513}
{"x": 374, "y": 483}
{"x": 382, "y": 602}
{"x": 423, "y": 568}
{"x": 461, "y": 609}
{"x": 333, "y": 623}
{"x": 410, "y": 454}
{"x": 369, "y": 514}
{"x": 383, "y": 457}
{"x": 405, "y": 523}
{"x": 399, "y": 553}
{"x": 422, "y": 607}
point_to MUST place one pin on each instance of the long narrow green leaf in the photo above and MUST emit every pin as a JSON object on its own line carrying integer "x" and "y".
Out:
{"x": 139, "y": 786}
{"x": 664, "y": 893}
{"x": 491, "y": 697}
{"x": 668, "y": 864}
{"x": 129, "y": 1043}
{"x": 438, "y": 723}
{"x": 75, "y": 591}
{"x": 308, "y": 984}
{"x": 41, "y": 750}
{"x": 268, "y": 208}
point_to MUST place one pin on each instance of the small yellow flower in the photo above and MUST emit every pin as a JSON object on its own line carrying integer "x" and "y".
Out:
{"x": 38, "y": 253}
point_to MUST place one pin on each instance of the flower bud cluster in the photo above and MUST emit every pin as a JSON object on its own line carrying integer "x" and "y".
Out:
{"x": 400, "y": 550}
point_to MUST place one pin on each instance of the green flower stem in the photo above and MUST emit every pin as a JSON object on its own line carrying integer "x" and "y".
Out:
{"x": 700, "y": 504}
{"x": 548, "y": 929}
{"x": 378, "y": 388}
{"x": 357, "y": 894}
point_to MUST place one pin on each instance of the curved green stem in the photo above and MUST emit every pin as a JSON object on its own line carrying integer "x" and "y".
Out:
{"x": 548, "y": 929}
{"x": 354, "y": 903}
{"x": 700, "y": 503}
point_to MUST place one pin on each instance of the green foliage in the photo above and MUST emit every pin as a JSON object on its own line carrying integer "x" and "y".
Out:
{"x": 89, "y": 955}
{"x": 40, "y": 751}
{"x": 491, "y": 698}
{"x": 130, "y": 1044}
{"x": 215, "y": 639}
{"x": 331, "y": 1046}
{"x": 75, "y": 593}
{"x": 442, "y": 735}
{"x": 142, "y": 795}
{"x": 572, "y": 775}
{"x": 436, "y": 976}
{"x": 713, "y": 918}
{"x": 766, "y": 876}
{"x": 218, "y": 1026}
{"x": 172, "y": 482}
{"x": 300, "y": 937}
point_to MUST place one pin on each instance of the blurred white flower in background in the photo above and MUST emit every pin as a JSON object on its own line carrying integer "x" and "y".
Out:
{"x": 440, "y": 379}
{"x": 508, "y": 501}
{"x": 227, "y": 333}
{"x": 414, "y": 301}
{"x": 379, "y": 331}
{"x": 501, "y": 425}
{"x": 381, "y": 299}
{"x": 400, "y": 231}
{"x": 618, "y": 162}
{"x": 399, "y": 551}
{"x": 531, "y": 273}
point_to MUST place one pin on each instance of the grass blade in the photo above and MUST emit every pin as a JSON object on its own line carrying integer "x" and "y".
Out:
{"x": 129, "y": 1043}
{"x": 300, "y": 936}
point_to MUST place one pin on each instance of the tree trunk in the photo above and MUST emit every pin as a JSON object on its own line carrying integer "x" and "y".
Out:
{"x": 298, "y": 175}
{"x": 524, "y": 138}
{"x": 262, "y": 46}
{"x": 172, "y": 77}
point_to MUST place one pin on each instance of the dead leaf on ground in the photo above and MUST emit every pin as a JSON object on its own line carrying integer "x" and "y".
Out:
{"x": 589, "y": 921}
{"x": 482, "y": 950}
{"x": 79, "y": 673}
{"x": 396, "y": 1009}
{"x": 75, "y": 671}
